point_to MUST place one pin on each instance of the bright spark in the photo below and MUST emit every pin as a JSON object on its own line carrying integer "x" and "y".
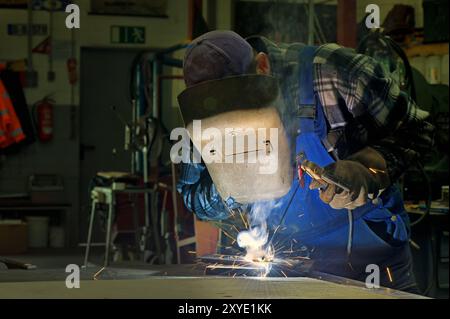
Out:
{"x": 389, "y": 274}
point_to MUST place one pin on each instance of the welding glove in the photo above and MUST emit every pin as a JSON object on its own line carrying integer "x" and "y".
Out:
{"x": 364, "y": 174}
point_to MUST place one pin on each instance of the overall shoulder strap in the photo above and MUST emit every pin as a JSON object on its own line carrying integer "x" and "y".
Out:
{"x": 306, "y": 86}
{"x": 306, "y": 108}
{"x": 310, "y": 111}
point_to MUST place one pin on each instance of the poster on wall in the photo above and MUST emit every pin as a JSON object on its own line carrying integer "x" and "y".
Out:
{"x": 21, "y": 29}
{"x": 147, "y": 8}
{"x": 58, "y": 5}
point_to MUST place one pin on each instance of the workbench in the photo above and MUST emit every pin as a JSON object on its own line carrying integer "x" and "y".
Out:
{"x": 163, "y": 282}
{"x": 62, "y": 212}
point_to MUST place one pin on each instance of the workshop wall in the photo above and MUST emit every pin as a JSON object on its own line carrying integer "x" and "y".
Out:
{"x": 94, "y": 31}
{"x": 61, "y": 155}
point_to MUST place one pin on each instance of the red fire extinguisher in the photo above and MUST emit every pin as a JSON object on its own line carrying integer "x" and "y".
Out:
{"x": 44, "y": 119}
{"x": 72, "y": 70}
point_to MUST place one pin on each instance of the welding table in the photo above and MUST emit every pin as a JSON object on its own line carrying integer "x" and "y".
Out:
{"x": 182, "y": 282}
{"x": 200, "y": 288}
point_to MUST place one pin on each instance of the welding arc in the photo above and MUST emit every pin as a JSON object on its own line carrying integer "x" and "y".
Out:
{"x": 284, "y": 214}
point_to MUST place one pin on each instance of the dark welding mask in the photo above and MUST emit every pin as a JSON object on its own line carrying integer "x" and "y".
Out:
{"x": 235, "y": 125}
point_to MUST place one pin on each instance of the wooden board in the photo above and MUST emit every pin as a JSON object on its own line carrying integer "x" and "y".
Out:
{"x": 427, "y": 50}
{"x": 198, "y": 287}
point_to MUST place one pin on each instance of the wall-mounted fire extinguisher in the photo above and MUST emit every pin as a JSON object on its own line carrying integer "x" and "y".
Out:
{"x": 43, "y": 110}
{"x": 72, "y": 70}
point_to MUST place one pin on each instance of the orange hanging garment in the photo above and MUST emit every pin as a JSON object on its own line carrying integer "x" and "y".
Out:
{"x": 10, "y": 128}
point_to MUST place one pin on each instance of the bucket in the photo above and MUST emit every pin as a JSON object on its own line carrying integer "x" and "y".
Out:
{"x": 37, "y": 231}
{"x": 433, "y": 69}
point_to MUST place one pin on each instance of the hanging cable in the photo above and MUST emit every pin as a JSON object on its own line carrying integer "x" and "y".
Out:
{"x": 429, "y": 196}
{"x": 384, "y": 42}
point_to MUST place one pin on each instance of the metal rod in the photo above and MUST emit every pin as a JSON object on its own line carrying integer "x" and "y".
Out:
{"x": 319, "y": 32}
{"x": 137, "y": 113}
{"x": 175, "y": 210}
{"x": 155, "y": 228}
{"x": 171, "y": 77}
{"x": 30, "y": 35}
{"x": 89, "y": 238}
{"x": 350, "y": 232}
{"x": 132, "y": 132}
{"x": 73, "y": 110}
{"x": 168, "y": 61}
{"x": 284, "y": 214}
{"x": 311, "y": 22}
{"x": 155, "y": 88}
{"x": 50, "y": 26}
{"x": 173, "y": 48}
{"x": 350, "y": 237}
{"x": 135, "y": 222}
{"x": 112, "y": 203}
{"x": 146, "y": 181}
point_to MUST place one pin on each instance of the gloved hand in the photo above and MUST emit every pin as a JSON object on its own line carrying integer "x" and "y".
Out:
{"x": 363, "y": 174}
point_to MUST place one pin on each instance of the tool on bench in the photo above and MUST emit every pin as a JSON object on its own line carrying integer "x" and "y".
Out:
{"x": 15, "y": 264}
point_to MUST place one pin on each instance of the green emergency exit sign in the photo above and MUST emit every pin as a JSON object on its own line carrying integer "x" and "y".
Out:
{"x": 127, "y": 34}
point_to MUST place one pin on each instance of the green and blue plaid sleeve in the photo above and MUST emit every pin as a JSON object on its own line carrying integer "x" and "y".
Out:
{"x": 200, "y": 194}
{"x": 361, "y": 98}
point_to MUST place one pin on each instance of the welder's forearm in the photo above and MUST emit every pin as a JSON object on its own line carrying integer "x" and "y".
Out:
{"x": 398, "y": 159}
{"x": 204, "y": 201}
{"x": 370, "y": 158}
{"x": 375, "y": 162}
{"x": 409, "y": 135}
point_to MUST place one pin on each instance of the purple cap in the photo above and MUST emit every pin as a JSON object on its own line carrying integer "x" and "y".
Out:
{"x": 215, "y": 55}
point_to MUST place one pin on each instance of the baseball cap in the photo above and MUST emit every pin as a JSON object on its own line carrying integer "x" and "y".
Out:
{"x": 215, "y": 55}
{"x": 216, "y": 67}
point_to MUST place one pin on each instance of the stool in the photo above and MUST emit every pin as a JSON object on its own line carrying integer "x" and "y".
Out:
{"x": 107, "y": 195}
{"x": 101, "y": 195}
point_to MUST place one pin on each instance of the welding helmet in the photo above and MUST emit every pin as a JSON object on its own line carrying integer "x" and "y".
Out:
{"x": 233, "y": 119}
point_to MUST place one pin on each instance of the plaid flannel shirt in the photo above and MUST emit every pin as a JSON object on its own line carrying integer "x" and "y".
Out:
{"x": 362, "y": 105}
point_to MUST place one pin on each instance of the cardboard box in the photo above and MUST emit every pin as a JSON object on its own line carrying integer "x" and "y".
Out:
{"x": 13, "y": 238}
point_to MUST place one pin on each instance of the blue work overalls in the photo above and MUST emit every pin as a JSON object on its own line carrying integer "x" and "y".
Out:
{"x": 340, "y": 242}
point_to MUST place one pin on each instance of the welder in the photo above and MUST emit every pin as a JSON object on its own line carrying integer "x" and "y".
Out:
{"x": 340, "y": 111}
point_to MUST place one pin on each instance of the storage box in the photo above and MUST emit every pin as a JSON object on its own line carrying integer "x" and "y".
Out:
{"x": 46, "y": 189}
{"x": 13, "y": 238}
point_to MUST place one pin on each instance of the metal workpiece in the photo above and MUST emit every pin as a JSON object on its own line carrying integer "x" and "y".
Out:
{"x": 203, "y": 287}
{"x": 234, "y": 266}
{"x": 188, "y": 281}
